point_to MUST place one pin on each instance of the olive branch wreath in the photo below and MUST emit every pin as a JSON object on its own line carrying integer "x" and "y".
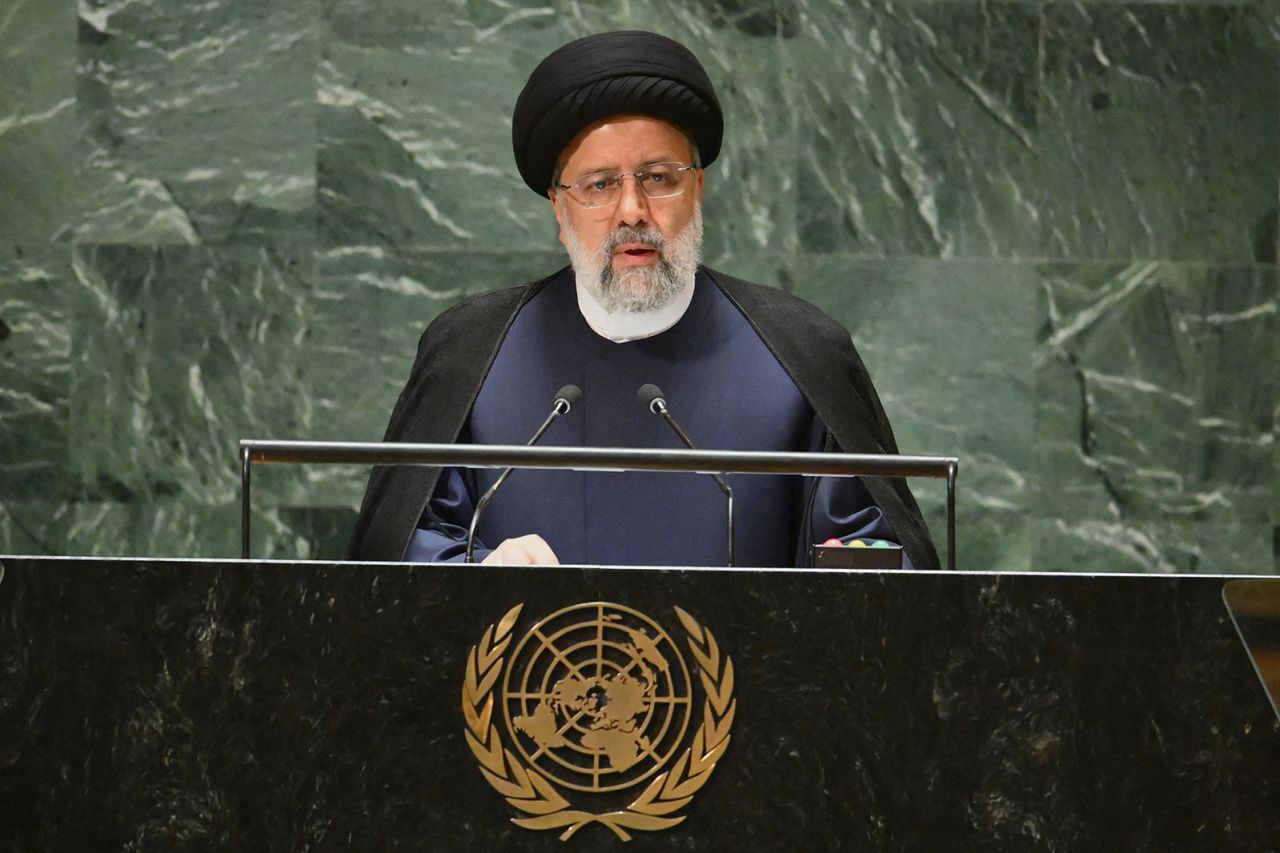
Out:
{"x": 530, "y": 792}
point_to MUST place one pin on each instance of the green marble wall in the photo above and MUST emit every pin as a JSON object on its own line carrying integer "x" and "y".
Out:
{"x": 1051, "y": 228}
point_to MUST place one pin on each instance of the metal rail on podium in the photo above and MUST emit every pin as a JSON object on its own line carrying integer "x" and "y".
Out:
{"x": 594, "y": 459}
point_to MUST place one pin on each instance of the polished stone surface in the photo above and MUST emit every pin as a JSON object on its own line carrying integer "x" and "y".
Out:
{"x": 1154, "y": 423}
{"x": 1158, "y": 118}
{"x": 1050, "y": 226}
{"x": 981, "y": 401}
{"x": 186, "y": 705}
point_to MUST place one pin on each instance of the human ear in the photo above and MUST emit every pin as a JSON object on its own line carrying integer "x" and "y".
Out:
{"x": 558, "y": 212}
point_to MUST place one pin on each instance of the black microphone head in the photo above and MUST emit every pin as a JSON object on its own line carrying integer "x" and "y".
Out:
{"x": 570, "y": 395}
{"x": 652, "y": 397}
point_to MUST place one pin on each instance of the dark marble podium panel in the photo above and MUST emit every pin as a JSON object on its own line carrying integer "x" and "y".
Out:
{"x": 185, "y": 705}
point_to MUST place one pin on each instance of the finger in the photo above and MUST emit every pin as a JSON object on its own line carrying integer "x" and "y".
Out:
{"x": 510, "y": 552}
{"x": 539, "y": 552}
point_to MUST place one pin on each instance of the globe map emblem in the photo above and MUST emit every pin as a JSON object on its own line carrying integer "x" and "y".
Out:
{"x": 597, "y": 697}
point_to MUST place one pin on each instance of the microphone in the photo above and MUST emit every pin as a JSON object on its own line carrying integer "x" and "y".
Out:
{"x": 655, "y": 401}
{"x": 565, "y": 399}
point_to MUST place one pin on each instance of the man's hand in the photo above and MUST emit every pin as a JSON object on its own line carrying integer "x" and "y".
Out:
{"x": 531, "y": 550}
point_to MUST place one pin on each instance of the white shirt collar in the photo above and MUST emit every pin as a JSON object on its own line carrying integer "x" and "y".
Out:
{"x": 621, "y": 328}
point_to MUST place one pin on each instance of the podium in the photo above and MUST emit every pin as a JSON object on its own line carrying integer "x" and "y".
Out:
{"x": 234, "y": 705}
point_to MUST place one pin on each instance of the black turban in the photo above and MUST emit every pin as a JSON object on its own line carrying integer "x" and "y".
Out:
{"x": 609, "y": 74}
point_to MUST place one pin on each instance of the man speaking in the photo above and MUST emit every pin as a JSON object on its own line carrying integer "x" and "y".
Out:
{"x": 615, "y": 131}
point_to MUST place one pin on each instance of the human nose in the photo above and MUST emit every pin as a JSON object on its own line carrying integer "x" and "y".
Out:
{"x": 633, "y": 204}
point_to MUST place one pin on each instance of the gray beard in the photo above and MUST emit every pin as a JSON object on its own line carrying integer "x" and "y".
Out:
{"x": 636, "y": 290}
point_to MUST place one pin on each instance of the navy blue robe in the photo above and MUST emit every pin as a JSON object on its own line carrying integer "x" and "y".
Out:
{"x": 724, "y": 386}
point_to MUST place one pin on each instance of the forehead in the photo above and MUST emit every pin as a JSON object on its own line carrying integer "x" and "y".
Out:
{"x": 624, "y": 142}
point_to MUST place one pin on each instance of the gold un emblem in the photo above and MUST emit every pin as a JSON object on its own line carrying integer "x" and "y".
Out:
{"x": 595, "y": 702}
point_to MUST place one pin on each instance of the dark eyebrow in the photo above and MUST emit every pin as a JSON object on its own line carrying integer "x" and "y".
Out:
{"x": 646, "y": 164}
{"x": 586, "y": 172}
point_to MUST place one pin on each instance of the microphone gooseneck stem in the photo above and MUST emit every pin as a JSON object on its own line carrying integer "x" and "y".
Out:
{"x": 558, "y": 408}
{"x": 660, "y": 406}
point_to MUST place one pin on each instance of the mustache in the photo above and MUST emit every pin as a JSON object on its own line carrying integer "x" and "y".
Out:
{"x": 632, "y": 234}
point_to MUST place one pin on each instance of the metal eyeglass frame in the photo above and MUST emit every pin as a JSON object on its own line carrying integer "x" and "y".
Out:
{"x": 576, "y": 185}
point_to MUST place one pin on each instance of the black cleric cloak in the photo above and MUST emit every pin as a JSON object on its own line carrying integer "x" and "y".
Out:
{"x": 457, "y": 349}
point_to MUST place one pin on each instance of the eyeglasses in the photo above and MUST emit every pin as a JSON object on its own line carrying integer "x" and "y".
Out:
{"x": 657, "y": 180}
